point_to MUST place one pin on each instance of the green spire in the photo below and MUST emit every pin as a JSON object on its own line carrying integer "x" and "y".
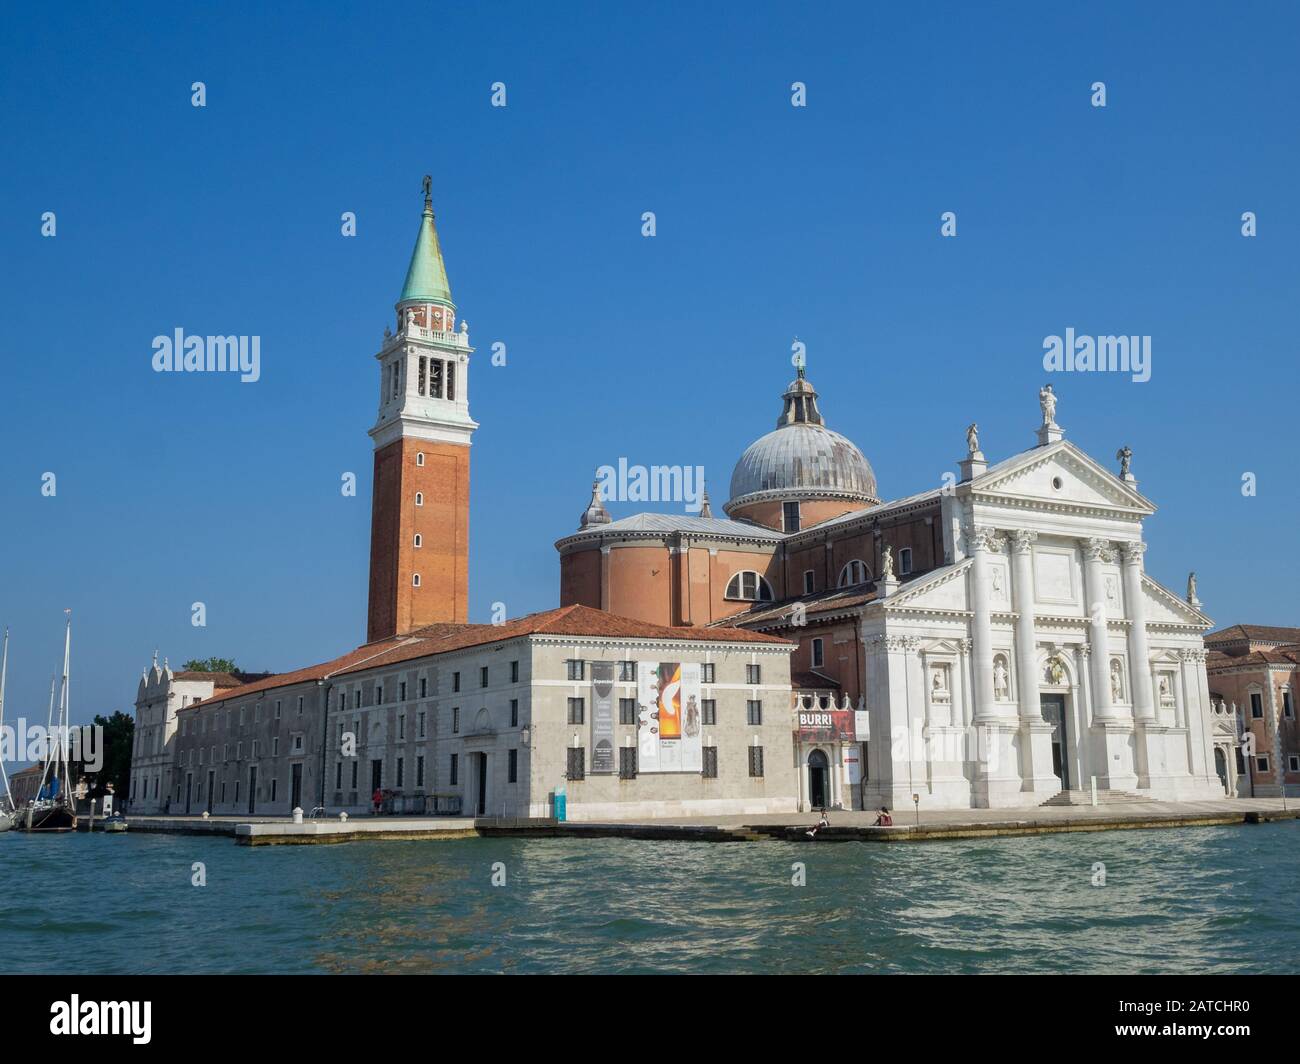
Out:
{"x": 426, "y": 277}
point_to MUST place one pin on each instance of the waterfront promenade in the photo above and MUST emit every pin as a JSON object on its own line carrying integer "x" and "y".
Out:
{"x": 844, "y": 826}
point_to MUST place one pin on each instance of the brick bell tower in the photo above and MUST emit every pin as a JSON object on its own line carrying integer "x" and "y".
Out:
{"x": 419, "y": 528}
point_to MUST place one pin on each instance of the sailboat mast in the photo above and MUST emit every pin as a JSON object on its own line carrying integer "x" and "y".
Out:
{"x": 4, "y": 672}
{"x": 63, "y": 708}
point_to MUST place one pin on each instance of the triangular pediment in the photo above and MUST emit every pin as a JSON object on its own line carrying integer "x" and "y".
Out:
{"x": 943, "y": 590}
{"x": 1083, "y": 482}
{"x": 1164, "y": 607}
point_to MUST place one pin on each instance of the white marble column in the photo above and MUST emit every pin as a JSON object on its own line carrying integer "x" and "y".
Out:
{"x": 1139, "y": 656}
{"x": 1022, "y": 587}
{"x": 982, "y": 541}
{"x": 1095, "y": 551}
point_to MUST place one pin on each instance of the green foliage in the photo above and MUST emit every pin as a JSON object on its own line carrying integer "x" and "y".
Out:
{"x": 209, "y": 665}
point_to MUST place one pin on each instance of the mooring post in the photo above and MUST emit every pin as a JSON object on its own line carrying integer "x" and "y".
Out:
{"x": 1094, "y": 790}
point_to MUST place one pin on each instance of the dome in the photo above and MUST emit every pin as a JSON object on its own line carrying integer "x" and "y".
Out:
{"x": 801, "y": 459}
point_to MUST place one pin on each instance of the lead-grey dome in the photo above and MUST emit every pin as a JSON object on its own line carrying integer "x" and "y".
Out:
{"x": 801, "y": 459}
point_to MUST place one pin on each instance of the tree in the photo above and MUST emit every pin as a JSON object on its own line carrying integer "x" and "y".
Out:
{"x": 118, "y": 732}
{"x": 209, "y": 665}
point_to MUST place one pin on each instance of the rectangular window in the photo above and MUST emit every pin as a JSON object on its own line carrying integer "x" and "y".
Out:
{"x": 710, "y": 771}
{"x": 790, "y": 516}
{"x": 577, "y": 668}
{"x": 401, "y": 768}
{"x": 277, "y": 709}
{"x": 419, "y": 771}
{"x": 514, "y": 713}
{"x": 424, "y": 686}
{"x": 1293, "y": 762}
{"x": 451, "y": 381}
{"x": 419, "y": 724}
{"x": 512, "y": 766}
{"x": 338, "y": 775}
{"x": 627, "y": 762}
{"x": 577, "y": 763}
{"x": 1256, "y": 705}
{"x": 818, "y": 654}
{"x": 809, "y": 581}
{"x": 379, "y": 694}
{"x": 709, "y": 710}
{"x": 755, "y": 760}
{"x": 354, "y": 774}
{"x": 455, "y": 681}
{"x": 1288, "y": 707}
{"x": 455, "y": 769}
{"x": 577, "y": 711}
{"x": 514, "y": 672}
{"x": 707, "y": 672}
{"x": 401, "y": 691}
{"x": 239, "y": 751}
{"x": 627, "y": 671}
{"x": 274, "y": 787}
{"x": 223, "y": 792}
{"x": 627, "y": 710}
{"x": 1261, "y": 764}
{"x": 275, "y": 746}
{"x": 483, "y": 676}
{"x": 455, "y": 720}
{"x": 754, "y": 711}
{"x": 753, "y": 674}
{"x": 300, "y": 705}
{"x": 904, "y": 561}
{"x": 401, "y": 726}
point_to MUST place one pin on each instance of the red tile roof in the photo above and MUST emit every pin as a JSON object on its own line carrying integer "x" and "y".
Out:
{"x": 1254, "y": 633}
{"x": 574, "y": 620}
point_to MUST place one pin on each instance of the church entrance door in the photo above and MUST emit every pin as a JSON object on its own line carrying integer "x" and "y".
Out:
{"x": 818, "y": 780}
{"x": 1053, "y": 707}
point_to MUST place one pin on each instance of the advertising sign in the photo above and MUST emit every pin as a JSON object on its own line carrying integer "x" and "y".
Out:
{"x": 826, "y": 725}
{"x": 669, "y": 737}
{"x": 602, "y": 718}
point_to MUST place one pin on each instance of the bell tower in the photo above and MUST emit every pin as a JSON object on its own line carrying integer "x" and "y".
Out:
{"x": 419, "y": 527}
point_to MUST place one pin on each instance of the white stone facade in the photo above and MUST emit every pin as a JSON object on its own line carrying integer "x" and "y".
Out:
{"x": 1042, "y": 656}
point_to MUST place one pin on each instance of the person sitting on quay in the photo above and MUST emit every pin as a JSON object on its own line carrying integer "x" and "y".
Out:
{"x": 824, "y": 822}
{"x": 884, "y": 820}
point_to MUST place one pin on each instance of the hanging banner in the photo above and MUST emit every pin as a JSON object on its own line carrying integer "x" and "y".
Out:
{"x": 825, "y": 725}
{"x": 669, "y": 737}
{"x": 602, "y": 718}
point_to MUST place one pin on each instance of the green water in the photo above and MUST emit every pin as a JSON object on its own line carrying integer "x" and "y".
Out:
{"x": 1191, "y": 900}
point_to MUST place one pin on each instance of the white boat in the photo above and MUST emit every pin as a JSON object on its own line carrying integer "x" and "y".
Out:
{"x": 115, "y": 823}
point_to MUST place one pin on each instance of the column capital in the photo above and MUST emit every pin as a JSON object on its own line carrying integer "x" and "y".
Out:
{"x": 1085, "y": 650}
{"x": 1132, "y": 552}
{"x": 985, "y": 537}
{"x": 1022, "y": 539}
{"x": 1097, "y": 550}
{"x": 964, "y": 646}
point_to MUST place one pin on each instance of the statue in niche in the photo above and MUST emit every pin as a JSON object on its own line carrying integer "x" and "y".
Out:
{"x": 998, "y": 590}
{"x": 1001, "y": 679}
{"x": 410, "y": 319}
{"x": 1055, "y": 671}
{"x": 1112, "y": 591}
{"x": 973, "y": 438}
{"x": 1166, "y": 695}
{"x": 940, "y": 679}
{"x": 1116, "y": 681}
{"x": 1047, "y": 403}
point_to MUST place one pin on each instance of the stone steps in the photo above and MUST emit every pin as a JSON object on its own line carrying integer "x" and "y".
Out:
{"x": 1082, "y": 798}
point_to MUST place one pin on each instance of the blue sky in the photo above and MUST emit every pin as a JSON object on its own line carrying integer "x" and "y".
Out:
{"x": 773, "y": 221}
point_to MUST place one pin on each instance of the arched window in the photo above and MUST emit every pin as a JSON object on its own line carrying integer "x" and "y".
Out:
{"x": 419, "y": 458}
{"x": 854, "y": 572}
{"x": 415, "y": 579}
{"x": 419, "y": 540}
{"x": 419, "y": 498}
{"x": 748, "y": 586}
